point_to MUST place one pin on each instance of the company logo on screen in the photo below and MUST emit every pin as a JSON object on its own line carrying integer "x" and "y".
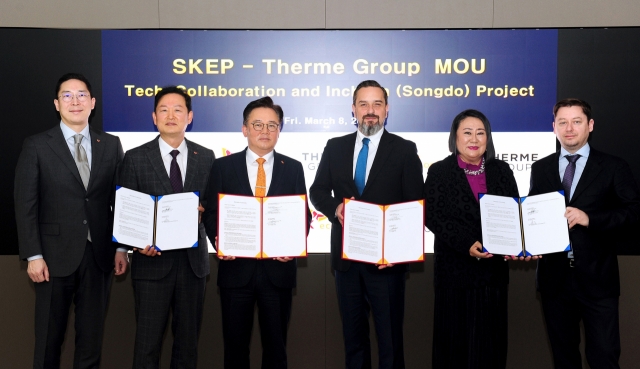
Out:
{"x": 319, "y": 220}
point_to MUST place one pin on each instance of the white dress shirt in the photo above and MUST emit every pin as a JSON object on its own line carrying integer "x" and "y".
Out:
{"x": 373, "y": 148}
{"x": 165, "y": 152}
{"x": 68, "y": 134}
{"x": 252, "y": 169}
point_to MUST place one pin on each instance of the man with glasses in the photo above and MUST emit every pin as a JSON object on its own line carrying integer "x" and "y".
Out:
{"x": 64, "y": 188}
{"x": 256, "y": 171}
{"x": 169, "y": 282}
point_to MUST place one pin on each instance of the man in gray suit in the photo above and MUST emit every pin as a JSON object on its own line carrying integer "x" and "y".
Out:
{"x": 171, "y": 280}
{"x": 64, "y": 189}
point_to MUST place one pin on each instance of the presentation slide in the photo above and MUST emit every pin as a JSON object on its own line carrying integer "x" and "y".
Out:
{"x": 430, "y": 76}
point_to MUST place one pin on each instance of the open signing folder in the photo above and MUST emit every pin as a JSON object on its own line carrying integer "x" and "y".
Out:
{"x": 383, "y": 234}
{"x": 524, "y": 226}
{"x": 262, "y": 227}
{"x": 166, "y": 222}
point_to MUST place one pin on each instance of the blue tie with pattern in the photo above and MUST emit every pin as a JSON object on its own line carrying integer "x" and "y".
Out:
{"x": 361, "y": 165}
{"x": 567, "y": 179}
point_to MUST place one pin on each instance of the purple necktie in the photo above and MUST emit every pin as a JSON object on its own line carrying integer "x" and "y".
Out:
{"x": 174, "y": 173}
{"x": 567, "y": 180}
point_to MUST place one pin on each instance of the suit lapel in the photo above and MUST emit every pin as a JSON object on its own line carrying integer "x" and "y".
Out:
{"x": 276, "y": 175}
{"x": 590, "y": 172}
{"x": 61, "y": 149}
{"x": 97, "y": 152}
{"x": 155, "y": 159}
{"x": 347, "y": 155}
{"x": 192, "y": 167}
{"x": 383, "y": 152}
{"x": 240, "y": 166}
{"x": 552, "y": 173}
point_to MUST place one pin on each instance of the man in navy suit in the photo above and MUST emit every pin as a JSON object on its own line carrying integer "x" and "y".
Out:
{"x": 584, "y": 284}
{"x": 245, "y": 282}
{"x": 64, "y": 187}
{"x": 391, "y": 172}
{"x": 171, "y": 280}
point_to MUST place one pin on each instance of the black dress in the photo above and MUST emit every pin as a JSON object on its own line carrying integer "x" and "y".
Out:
{"x": 470, "y": 314}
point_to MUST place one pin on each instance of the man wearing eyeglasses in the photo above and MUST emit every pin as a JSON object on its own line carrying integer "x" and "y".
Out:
{"x": 64, "y": 187}
{"x": 256, "y": 171}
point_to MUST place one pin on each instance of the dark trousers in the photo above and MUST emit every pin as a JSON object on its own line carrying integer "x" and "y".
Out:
{"x": 88, "y": 289}
{"x": 470, "y": 328}
{"x": 563, "y": 312}
{"x": 181, "y": 292}
{"x": 274, "y": 311}
{"x": 362, "y": 289}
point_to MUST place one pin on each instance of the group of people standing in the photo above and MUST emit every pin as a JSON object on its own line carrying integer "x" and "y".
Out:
{"x": 64, "y": 192}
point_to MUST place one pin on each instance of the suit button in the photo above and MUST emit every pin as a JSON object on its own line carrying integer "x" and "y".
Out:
{"x": 84, "y": 222}
{"x": 86, "y": 200}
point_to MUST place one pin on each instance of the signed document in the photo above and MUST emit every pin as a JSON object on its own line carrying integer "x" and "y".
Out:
{"x": 166, "y": 222}
{"x": 383, "y": 234}
{"x": 532, "y": 225}
{"x": 262, "y": 227}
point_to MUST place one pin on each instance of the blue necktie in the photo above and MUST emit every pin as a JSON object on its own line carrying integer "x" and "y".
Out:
{"x": 361, "y": 165}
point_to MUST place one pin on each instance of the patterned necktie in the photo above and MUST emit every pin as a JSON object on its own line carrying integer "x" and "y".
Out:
{"x": 83, "y": 165}
{"x": 81, "y": 160}
{"x": 175, "y": 176}
{"x": 567, "y": 179}
{"x": 261, "y": 182}
{"x": 361, "y": 165}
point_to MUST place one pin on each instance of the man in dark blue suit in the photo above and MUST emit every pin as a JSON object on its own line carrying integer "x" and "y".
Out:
{"x": 391, "y": 172}
{"x": 256, "y": 171}
{"x": 584, "y": 284}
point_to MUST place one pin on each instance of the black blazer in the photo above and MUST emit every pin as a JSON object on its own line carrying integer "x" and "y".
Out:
{"x": 143, "y": 170}
{"x": 229, "y": 175}
{"x": 608, "y": 194}
{"x": 53, "y": 209}
{"x": 453, "y": 215}
{"x": 395, "y": 176}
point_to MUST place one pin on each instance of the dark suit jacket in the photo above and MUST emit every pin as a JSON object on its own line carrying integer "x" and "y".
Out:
{"x": 395, "y": 176}
{"x": 229, "y": 176}
{"x": 453, "y": 215}
{"x": 143, "y": 170}
{"x": 608, "y": 194}
{"x": 53, "y": 209}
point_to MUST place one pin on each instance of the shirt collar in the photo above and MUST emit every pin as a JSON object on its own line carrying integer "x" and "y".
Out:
{"x": 165, "y": 148}
{"x": 252, "y": 156}
{"x": 375, "y": 139}
{"x": 583, "y": 152}
{"x": 68, "y": 133}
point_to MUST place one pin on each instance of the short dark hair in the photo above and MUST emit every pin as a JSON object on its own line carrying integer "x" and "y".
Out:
{"x": 370, "y": 83}
{"x": 567, "y": 103}
{"x": 173, "y": 90}
{"x": 490, "y": 153}
{"x": 264, "y": 102}
{"x": 69, "y": 76}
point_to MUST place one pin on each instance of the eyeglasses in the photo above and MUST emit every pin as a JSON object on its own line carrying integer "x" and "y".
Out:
{"x": 272, "y": 127}
{"x": 81, "y": 96}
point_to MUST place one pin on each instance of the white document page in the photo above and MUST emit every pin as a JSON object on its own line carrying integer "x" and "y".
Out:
{"x": 362, "y": 232}
{"x": 404, "y": 232}
{"x": 133, "y": 218}
{"x": 284, "y": 227}
{"x": 500, "y": 225}
{"x": 177, "y": 221}
{"x": 239, "y": 219}
{"x": 545, "y": 227}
